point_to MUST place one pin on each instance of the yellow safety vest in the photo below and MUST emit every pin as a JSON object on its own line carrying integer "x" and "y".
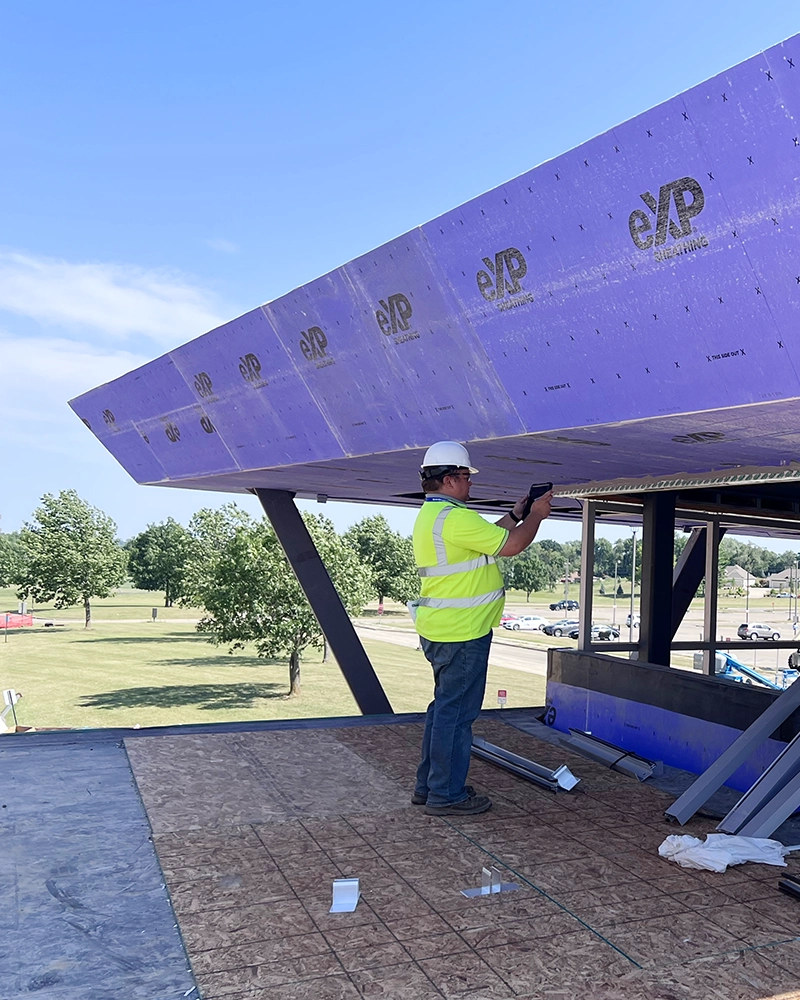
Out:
{"x": 462, "y": 587}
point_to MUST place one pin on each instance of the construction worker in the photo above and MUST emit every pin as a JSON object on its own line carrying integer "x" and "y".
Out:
{"x": 462, "y": 601}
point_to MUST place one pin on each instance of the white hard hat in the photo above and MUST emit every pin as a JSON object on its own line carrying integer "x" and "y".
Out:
{"x": 445, "y": 455}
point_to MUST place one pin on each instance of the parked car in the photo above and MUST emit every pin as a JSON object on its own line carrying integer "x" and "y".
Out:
{"x": 600, "y": 633}
{"x": 531, "y": 623}
{"x": 561, "y": 627}
{"x": 565, "y": 605}
{"x": 507, "y": 617}
{"x": 757, "y": 630}
{"x": 635, "y": 621}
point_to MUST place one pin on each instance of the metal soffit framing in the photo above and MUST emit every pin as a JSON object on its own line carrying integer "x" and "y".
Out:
{"x": 623, "y": 313}
{"x": 701, "y": 790}
{"x": 770, "y": 800}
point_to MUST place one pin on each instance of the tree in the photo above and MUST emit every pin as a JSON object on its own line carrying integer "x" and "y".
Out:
{"x": 12, "y": 558}
{"x": 251, "y": 594}
{"x": 209, "y": 531}
{"x": 73, "y": 553}
{"x": 552, "y": 558}
{"x": 157, "y": 557}
{"x": 603, "y": 557}
{"x": 623, "y": 549}
{"x": 525, "y": 571}
{"x": 389, "y": 556}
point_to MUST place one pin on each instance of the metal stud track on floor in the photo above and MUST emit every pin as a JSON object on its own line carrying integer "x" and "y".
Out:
{"x": 561, "y": 777}
{"x": 701, "y": 790}
{"x": 612, "y": 756}
{"x": 762, "y": 802}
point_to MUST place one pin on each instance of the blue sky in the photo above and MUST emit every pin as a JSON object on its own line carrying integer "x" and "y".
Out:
{"x": 170, "y": 165}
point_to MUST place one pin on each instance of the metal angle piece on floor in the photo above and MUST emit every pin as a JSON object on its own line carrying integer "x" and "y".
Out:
{"x": 701, "y": 790}
{"x": 779, "y": 773}
{"x": 491, "y": 883}
{"x": 617, "y": 758}
{"x": 560, "y": 777}
{"x": 790, "y": 887}
{"x": 779, "y": 808}
{"x": 345, "y": 895}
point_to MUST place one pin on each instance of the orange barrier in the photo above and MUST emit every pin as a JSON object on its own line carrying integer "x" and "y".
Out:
{"x": 11, "y": 619}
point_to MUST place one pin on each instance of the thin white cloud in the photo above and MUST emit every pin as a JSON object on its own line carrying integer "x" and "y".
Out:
{"x": 224, "y": 246}
{"x": 37, "y": 377}
{"x": 57, "y": 363}
{"x": 118, "y": 300}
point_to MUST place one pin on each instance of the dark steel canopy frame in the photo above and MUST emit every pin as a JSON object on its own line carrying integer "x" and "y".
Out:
{"x": 623, "y": 320}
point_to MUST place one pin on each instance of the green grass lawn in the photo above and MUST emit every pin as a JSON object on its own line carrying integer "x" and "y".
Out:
{"x": 127, "y": 604}
{"x": 127, "y": 670}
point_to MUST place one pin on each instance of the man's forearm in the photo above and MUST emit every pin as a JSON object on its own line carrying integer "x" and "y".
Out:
{"x": 521, "y": 535}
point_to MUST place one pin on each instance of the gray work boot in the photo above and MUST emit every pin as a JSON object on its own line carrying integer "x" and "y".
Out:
{"x": 420, "y": 800}
{"x": 467, "y": 807}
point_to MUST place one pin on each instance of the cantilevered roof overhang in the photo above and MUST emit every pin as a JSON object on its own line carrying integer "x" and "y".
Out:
{"x": 623, "y": 314}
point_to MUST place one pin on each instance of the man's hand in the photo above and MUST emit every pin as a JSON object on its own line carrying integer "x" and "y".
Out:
{"x": 541, "y": 506}
{"x": 522, "y": 534}
{"x": 519, "y": 507}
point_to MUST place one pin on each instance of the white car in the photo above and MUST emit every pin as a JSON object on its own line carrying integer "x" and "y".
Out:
{"x": 532, "y": 623}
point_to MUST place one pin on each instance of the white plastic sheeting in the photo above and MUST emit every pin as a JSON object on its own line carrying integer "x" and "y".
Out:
{"x": 721, "y": 850}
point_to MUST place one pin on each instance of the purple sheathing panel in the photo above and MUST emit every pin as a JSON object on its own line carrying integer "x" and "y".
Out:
{"x": 118, "y": 411}
{"x": 338, "y": 352}
{"x": 653, "y": 272}
{"x": 442, "y": 382}
{"x": 252, "y": 392}
{"x": 587, "y": 326}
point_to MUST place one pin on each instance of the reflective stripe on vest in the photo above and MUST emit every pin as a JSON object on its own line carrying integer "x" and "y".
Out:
{"x": 438, "y": 540}
{"x": 460, "y": 602}
{"x": 462, "y": 567}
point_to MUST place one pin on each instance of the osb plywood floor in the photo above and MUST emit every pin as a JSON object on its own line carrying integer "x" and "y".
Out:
{"x": 252, "y": 828}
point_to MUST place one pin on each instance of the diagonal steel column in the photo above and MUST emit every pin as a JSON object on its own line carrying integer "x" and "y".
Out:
{"x": 658, "y": 545}
{"x": 689, "y": 571}
{"x": 710, "y": 599}
{"x": 325, "y": 602}
{"x": 587, "y": 575}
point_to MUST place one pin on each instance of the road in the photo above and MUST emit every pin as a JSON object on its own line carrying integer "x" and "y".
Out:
{"x": 504, "y": 653}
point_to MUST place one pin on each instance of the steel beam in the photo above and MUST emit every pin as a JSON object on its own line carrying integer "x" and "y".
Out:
{"x": 658, "y": 546}
{"x": 688, "y": 573}
{"x": 779, "y": 808}
{"x": 781, "y": 771}
{"x": 710, "y": 599}
{"x": 587, "y": 575}
{"x": 325, "y": 602}
{"x": 701, "y": 790}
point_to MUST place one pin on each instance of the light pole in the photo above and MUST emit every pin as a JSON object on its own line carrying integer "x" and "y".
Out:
{"x": 794, "y": 620}
{"x": 633, "y": 581}
{"x": 614, "y": 616}
{"x": 747, "y": 597}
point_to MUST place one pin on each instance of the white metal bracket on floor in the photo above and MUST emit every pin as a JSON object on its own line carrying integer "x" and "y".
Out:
{"x": 491, "y": 883}
{"x": 345, "y": 895}
{"x": 10, "y": 699}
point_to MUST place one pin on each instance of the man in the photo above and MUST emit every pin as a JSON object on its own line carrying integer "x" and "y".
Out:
{"x": 462, "y": 601}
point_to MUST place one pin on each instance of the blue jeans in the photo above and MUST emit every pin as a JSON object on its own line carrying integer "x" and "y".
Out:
{"x": 459, "y": 674}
